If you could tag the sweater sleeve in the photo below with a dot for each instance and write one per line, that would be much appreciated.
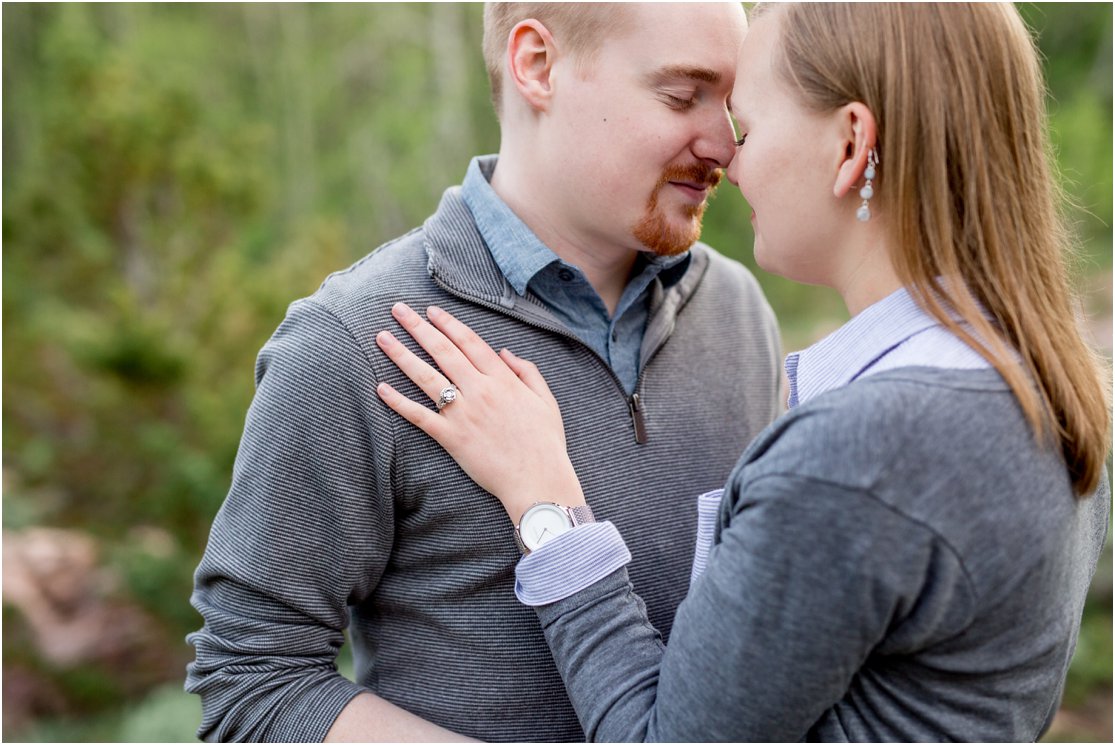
(805, 582)
(305, 530)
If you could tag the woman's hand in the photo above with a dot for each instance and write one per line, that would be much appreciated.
(504, 428)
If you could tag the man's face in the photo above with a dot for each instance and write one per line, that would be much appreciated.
(639, 139)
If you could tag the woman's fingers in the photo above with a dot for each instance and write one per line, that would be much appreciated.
(510, 412)
(448, 357)
(459, 353)
(428, 421)
(528, 373)
(423, 375)
(468, 341)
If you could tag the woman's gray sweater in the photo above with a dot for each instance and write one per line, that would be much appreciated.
(898, 559)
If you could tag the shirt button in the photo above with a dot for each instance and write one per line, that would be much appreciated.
(615, 335)
(566, 275)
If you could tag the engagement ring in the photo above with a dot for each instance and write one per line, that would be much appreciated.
(448, 396)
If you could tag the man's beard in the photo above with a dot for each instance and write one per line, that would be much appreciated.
(655, 230)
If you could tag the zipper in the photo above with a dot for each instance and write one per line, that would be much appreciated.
(634, 402)
(637, 418)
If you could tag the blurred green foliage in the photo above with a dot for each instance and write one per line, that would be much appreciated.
(176, 174)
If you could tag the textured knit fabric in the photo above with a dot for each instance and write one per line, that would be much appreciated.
(563, 288)
(341, 514)
(893, 332)
(897, 559)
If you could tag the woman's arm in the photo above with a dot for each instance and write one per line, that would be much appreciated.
(807, 580)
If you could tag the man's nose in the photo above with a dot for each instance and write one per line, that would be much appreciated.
(716, 142)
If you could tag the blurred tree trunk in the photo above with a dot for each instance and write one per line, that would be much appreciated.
(297, 72)
(453, 56)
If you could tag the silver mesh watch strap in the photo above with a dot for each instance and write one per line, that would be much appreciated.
(581, 515)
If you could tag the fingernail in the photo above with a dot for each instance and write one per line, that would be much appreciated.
(433, 311)
(383, 389)
(402, 310)
(385, 338)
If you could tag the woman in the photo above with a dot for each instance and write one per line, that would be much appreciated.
(905, 554)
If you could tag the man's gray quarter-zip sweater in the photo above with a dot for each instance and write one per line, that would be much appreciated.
(342, 515)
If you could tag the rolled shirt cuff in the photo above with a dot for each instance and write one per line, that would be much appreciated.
(569, 563)
(708, 510)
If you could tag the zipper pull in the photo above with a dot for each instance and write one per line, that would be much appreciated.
(637, 419)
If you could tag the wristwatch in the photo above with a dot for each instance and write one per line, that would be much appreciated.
(545, 520)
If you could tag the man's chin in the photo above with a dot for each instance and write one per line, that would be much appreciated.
(662, 238)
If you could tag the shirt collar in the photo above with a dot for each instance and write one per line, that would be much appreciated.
(517, 251)
(669, 269)
(843, 355)
(515, 248)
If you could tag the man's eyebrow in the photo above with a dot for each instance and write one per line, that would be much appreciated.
(672, 73)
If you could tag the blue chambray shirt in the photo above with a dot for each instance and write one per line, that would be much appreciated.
(528, 264)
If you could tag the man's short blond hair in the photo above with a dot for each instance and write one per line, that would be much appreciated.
(578, 28)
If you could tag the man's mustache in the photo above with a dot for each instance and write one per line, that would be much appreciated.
(693, 173)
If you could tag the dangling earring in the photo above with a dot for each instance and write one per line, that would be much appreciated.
(863, 214)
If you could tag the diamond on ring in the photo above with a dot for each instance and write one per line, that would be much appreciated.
(448, 395)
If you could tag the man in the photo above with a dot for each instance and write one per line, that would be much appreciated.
(577, 251)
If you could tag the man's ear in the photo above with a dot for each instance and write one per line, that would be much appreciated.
(856, 127)
(531, 54)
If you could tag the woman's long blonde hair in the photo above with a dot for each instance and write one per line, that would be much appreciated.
(969, 188)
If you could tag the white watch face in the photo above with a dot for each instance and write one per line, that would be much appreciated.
(541, 523)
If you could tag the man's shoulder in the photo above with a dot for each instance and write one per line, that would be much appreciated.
(403, 268)
(354, 303)
(385, 272)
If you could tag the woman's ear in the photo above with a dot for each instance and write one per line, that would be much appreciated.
(857, 127)
(531, 54)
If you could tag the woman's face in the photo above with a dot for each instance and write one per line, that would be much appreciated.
(786, 166)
